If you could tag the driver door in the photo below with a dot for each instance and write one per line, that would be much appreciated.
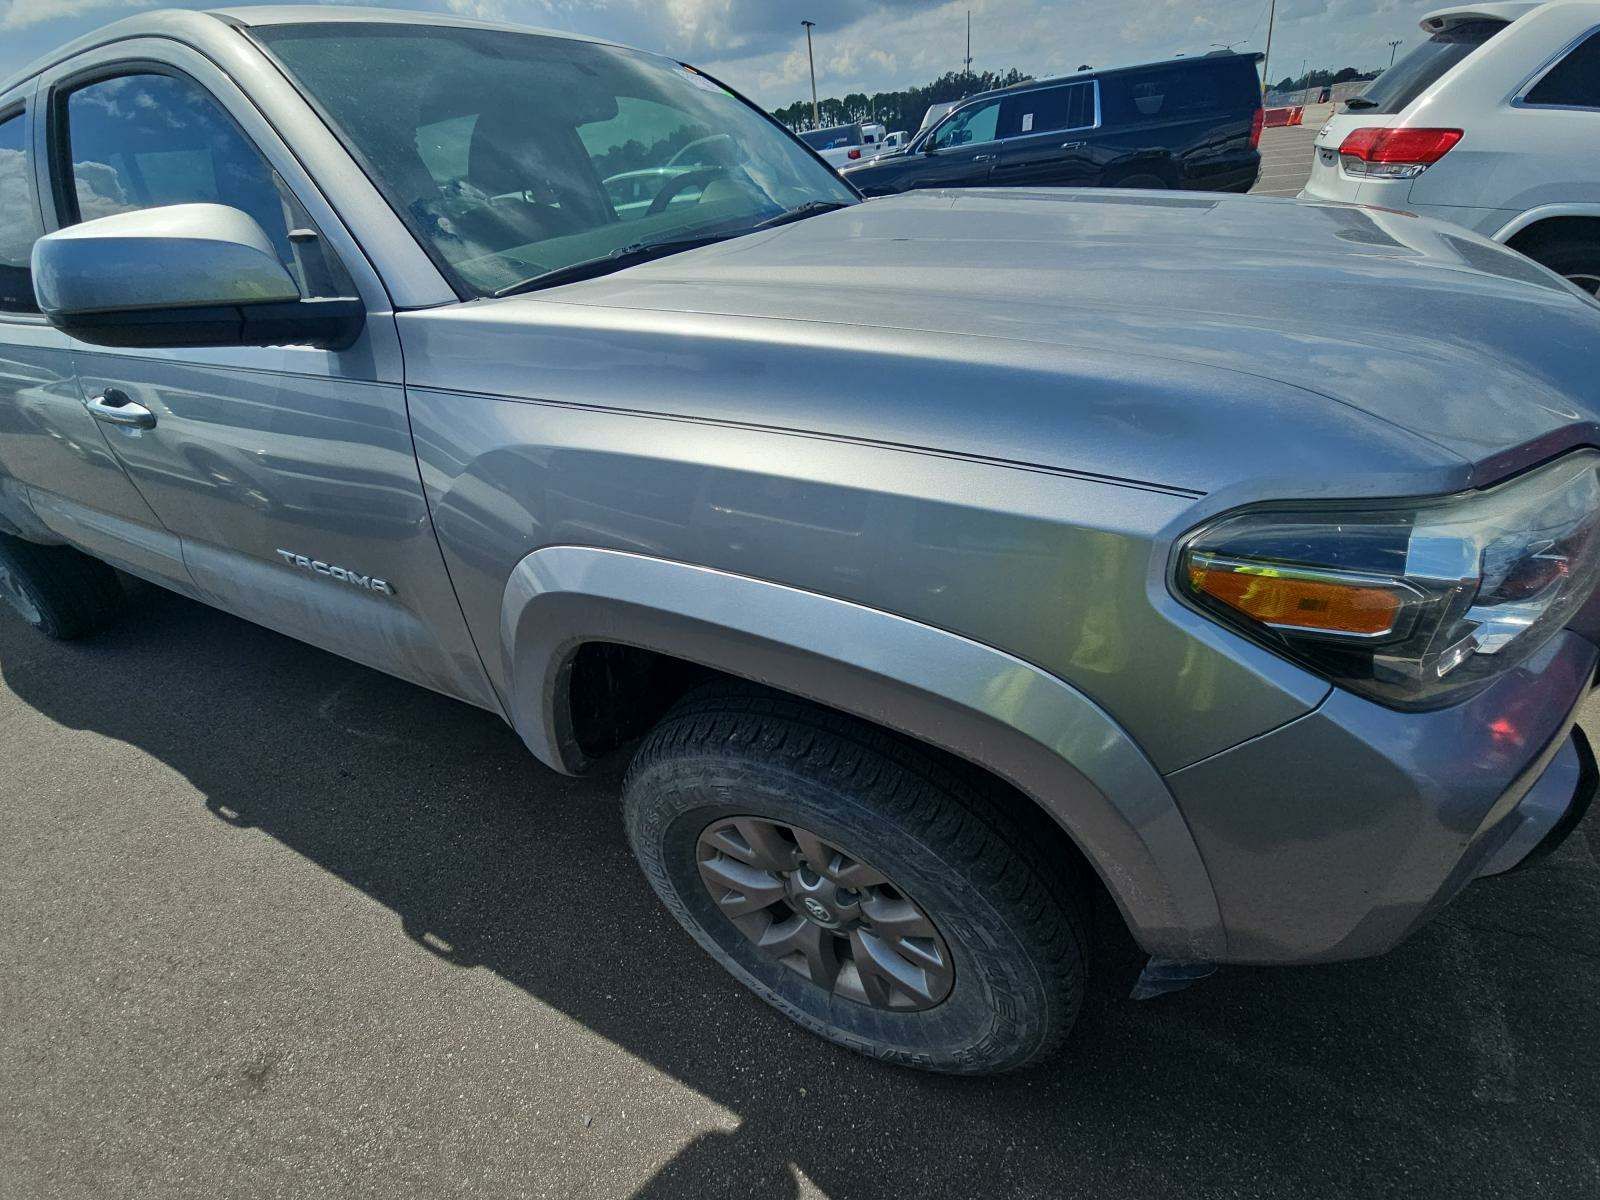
(963, 148)
(287, 473)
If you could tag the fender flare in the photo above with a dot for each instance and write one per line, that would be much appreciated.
(1038, 733)
(1544, 212)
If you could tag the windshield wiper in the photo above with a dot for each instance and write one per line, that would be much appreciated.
(639, 252)
(800, 212)
(624, 256)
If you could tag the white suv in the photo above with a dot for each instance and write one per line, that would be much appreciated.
(1493, 123)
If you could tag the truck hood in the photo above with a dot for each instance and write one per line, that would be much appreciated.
(1177, 339)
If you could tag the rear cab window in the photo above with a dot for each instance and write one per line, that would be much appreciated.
(20, 224)
(1574, 82)
(1423, 67)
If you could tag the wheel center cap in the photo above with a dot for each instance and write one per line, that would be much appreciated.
(822, 900)
(819, 911)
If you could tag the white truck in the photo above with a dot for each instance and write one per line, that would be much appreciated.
(841, 145)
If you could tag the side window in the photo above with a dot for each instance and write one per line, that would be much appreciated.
(1047, 110)
(1574, 82)
(147, 140)
(970, 125)
(19, 219)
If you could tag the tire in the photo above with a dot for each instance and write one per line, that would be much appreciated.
(1007, 922)
(60, 592)
(1574, 254)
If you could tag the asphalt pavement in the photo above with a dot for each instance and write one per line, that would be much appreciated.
(279, 926)
(1287, 153)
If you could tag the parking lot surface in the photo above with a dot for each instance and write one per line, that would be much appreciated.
(1287, 152)
(276, 925)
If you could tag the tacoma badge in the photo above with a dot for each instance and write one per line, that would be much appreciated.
(317, 566)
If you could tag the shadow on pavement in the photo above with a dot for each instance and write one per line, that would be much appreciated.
(1464, 1063)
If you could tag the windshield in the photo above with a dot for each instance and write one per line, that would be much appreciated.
(1424, 66)
(510, 155)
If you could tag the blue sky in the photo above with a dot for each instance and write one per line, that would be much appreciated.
(873, 45)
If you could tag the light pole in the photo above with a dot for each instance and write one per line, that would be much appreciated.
(816, 116)
(966, 63)
(1266, 61)
(1393, 46)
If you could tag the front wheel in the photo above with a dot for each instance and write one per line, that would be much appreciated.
(60, 592)
(856, 884)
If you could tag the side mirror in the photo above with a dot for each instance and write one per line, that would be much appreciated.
(179, 276)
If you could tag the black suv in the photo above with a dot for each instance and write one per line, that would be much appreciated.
(1184, 123)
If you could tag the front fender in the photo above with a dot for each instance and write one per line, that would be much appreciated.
(1005, 715)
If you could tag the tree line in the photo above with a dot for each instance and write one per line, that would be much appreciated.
(1321, 78)
(895, 110)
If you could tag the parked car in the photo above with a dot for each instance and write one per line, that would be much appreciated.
(949, 564)
(842, 144)
(1491, 123)
(1190, 123)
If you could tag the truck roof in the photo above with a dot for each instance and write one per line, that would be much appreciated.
(196, 28)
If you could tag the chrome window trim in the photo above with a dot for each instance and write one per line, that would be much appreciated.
(17, 103)
(1519, 94)
(1093, 83)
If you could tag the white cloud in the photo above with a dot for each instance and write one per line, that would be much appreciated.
(20, 14)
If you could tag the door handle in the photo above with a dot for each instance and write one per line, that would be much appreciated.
(983, 158)
(114, 407)
(1073, 145)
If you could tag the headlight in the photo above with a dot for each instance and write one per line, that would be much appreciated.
(1412, 603)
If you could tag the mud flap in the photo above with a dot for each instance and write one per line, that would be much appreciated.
(1163, 975)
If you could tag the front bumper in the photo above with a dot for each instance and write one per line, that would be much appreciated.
(1339, 833)
(1552, 809)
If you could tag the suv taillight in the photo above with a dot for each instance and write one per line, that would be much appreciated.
(853, 154)
(1380, 153)
(1258, 121)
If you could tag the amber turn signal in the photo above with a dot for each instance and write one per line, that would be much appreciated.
(1295, 598)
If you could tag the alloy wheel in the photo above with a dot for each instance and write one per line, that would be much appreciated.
(13, 593)
(825, 914)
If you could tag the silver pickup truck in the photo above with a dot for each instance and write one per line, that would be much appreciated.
(952, 562)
